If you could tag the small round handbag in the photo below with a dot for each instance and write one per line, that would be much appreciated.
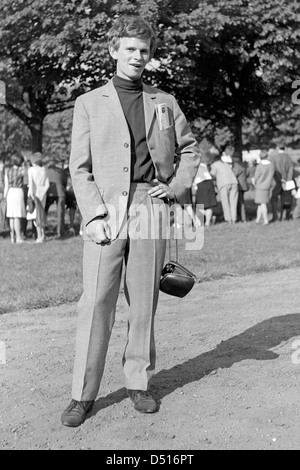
(30, 205)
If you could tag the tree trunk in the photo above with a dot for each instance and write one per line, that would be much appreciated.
(238, 136)
(36, 130)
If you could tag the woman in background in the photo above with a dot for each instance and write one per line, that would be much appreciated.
(38, 184)
(263, 183)
(205, 192)
(13, 192)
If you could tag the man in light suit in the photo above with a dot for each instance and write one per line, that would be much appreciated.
(126, 137)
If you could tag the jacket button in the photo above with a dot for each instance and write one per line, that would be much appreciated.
(124, 193)
(126, 145)
(125, 168)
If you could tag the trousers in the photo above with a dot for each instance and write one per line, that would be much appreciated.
(61, 202)
(229, 200)
(143, 259)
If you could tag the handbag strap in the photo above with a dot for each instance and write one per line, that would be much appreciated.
(174, 238)
(172, 231)
(176, 246)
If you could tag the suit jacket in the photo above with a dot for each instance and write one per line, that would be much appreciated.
(283, 164)
(223, 174)
(100, 151)
(240, 171)
(57, 182)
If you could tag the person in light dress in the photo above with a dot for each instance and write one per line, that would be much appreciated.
(14, 195)
(38, 184)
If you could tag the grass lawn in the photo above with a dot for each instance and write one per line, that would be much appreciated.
(42, 275)
(39, 275)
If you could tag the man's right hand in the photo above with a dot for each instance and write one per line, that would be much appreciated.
(98, 231)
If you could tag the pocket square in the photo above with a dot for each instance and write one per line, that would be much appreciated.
(164, 116)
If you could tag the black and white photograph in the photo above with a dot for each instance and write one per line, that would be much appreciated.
(149, 227)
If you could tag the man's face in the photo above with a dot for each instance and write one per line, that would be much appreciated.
(132, 57)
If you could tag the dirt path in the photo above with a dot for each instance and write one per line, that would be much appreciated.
(227, 373)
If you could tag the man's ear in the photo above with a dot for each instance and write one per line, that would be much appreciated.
(113, 52)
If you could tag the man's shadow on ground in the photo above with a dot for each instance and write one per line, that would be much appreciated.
(254, 343)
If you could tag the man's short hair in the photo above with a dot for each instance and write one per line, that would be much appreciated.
(272, 146)
(263, 154)
(131, 27)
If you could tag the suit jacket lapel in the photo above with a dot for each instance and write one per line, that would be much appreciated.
(149, 106)
(113, 102)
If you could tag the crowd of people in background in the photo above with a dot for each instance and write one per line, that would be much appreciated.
(273, 179)
(33, 185)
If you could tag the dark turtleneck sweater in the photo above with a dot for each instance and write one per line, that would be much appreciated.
(131, 97)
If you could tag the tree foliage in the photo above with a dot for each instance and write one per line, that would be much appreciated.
(229, 62)
(43, 55)
(230, 58)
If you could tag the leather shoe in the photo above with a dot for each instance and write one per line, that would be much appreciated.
(74, 415)
(143, 401)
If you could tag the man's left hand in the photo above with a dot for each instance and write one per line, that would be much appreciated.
(161, 190)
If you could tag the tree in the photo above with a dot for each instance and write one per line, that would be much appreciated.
(227, 59)
(281, 125)
(14, 135)
(42, 55)
(51, 51)
(57, 136)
